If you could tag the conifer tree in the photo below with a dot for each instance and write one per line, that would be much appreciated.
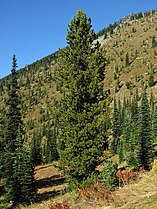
(127, 63)
(134, 112)
(23, 174)
(13, 142)
(13, 123)
(51, 151)
(154, 42)
(151, 78)
(131, 158)
(145, 148)
(81, 69)
(126, 135)
(116, 130)
(36, 153)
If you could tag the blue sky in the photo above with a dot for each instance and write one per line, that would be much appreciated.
(32, 29)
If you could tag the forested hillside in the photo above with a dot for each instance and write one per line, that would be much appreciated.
(92, 104)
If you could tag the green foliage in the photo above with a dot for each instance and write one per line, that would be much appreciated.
(81, 69)
(117, 86)
(13, 124)
(134, 144)
(116, 72)
(84, 183)
(133, 30)
(108, 177)
(115, 130)
(19, 186)
(36, 154)
(51, 153)
(131, 155)
(23, 174)
(125, 137)
(145, 148)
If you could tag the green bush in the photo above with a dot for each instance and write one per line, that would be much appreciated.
(108, 177)
(85, 183)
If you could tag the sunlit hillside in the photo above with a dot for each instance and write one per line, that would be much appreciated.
(39, 91)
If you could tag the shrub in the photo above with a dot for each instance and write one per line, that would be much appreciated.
(95, 193)
(108, 177)
(85, 183)
(124, 177)
(63, 205)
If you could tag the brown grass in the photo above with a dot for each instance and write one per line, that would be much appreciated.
(141, 195)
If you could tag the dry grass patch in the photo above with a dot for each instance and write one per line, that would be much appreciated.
(140, 195)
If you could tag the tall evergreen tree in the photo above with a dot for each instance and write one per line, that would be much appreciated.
(145, 148)
(81, 69)
(13, 142)
(13, 124)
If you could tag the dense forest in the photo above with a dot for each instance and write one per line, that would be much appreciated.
(86, 105)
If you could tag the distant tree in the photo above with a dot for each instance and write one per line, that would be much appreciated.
(151, 78)
(139, 15)
(154, 42)
(81, 69)
(116, 72)
(127, 62)
(117, 85)
(133, 30)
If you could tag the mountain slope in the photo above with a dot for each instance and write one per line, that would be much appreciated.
(135, 39)
(131, 59)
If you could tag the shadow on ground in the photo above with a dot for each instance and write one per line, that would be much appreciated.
(47, 195)
(54, 180)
